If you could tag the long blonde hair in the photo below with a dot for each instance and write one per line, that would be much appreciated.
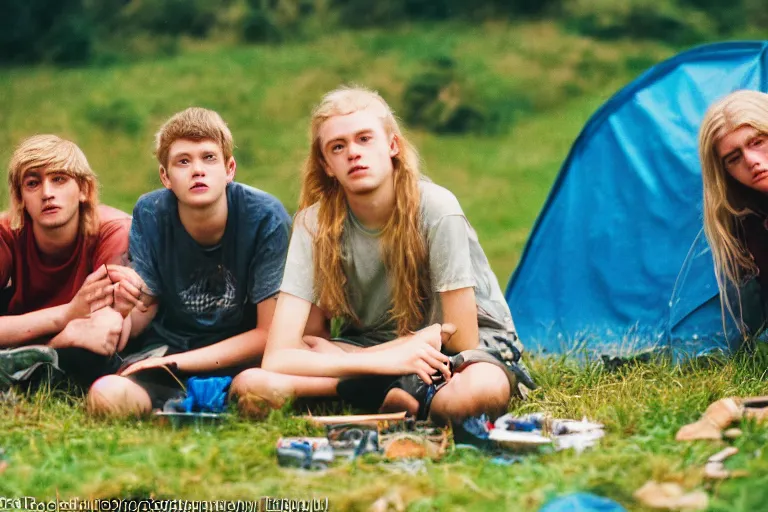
(726, 201)
(404, 249)
(50, 152)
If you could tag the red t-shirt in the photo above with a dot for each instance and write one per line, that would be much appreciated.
(37, 285)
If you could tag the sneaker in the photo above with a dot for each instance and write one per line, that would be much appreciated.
(17, 364)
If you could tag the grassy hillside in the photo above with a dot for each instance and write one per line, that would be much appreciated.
(547, 81)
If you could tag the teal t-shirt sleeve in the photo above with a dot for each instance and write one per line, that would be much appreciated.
(268, 263)
(450, 263)
(141, 247)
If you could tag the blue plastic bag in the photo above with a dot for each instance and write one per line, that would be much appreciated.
(207, 394)
(582, 502)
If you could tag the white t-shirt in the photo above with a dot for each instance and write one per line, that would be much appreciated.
(456, 261)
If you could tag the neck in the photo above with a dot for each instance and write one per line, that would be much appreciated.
(206, 225)
(56, 244)
(374, 208)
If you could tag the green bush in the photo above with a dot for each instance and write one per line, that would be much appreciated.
(261, 26)
(195, 18)
(357, 13)
(58, 31)
(116, 115)
(638, 19)
(734, 16)
(528, 8)
(273, 21)
(360, 12)
(438, 100)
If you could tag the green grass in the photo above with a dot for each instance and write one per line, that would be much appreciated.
(550, 82)
(54, 448)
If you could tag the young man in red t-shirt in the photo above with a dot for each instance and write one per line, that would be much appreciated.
(55, 241)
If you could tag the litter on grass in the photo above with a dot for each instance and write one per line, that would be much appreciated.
(347, 437)
(204, 403)
(397, 438)
(582, 502)
(721, 414)
(715, 467)
(525, 433)
(671, 496)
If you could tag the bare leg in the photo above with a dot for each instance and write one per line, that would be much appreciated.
(479, 388)
(118, 397)
(258, 391)
(398, 399)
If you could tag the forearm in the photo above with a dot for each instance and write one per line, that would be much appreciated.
(241, 350)
(460, 309)
(15, 330)
(141, 320)
(389, 344)
(296, 361)
(467, 340)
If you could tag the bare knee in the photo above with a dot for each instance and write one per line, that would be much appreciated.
(479, 388)
(117, 396)
(399, 400)
(258, 391)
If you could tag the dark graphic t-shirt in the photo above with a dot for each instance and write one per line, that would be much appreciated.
(207, 294)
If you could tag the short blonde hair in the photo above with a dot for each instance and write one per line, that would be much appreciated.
(52, 153)
(196, 124)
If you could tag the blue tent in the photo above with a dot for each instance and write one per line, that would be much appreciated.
(617, 261)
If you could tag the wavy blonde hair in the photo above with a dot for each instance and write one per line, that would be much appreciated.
(52, 153)
(726, 201)
(404, 249)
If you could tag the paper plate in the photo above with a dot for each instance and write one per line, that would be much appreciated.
(518, 440)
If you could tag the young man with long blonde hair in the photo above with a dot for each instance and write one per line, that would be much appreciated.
(207, 256)
(393, 258)
(55, 242)
(733, 147)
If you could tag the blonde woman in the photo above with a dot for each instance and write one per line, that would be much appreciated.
(394, 258)
(733, 147)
